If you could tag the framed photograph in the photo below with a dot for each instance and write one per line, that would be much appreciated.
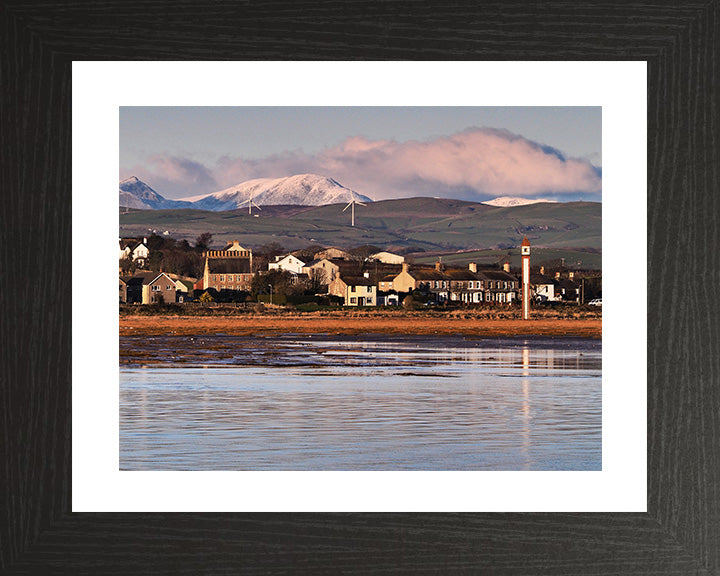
(64, 517)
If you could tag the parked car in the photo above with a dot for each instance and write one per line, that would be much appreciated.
(595, 302)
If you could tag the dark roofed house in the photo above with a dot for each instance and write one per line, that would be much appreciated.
(354, 290)
(498, 286)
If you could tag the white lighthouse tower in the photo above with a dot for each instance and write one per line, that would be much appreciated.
(525, 252)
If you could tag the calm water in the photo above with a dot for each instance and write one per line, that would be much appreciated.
(314, 403)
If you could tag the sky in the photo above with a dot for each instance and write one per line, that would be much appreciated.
(467, 153)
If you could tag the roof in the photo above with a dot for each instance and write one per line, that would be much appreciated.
(228, 265)
(317, 261)
(235, 245)
(461, 274)
(356, 280)
(497, 275)
(388, 278)
(541, 279)
(525, 242)
(427, 274)
(279, 259)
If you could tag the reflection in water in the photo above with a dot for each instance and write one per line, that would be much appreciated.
(344, 404)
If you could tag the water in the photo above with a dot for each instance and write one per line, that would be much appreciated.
(314, 403)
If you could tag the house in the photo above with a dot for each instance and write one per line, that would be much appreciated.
(567, 289)
(386, 258)
(423, 279)
(386, 283)
(465, 285)
(288, 263)
(123, 288)
(161, 289)
(326, 268)
(228, 269)
(354, 290)
(542, 288)
(148, 287)
(132, 248)
(185, 287)
(498, 286)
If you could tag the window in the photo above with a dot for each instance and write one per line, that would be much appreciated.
(155, 287)
(487, 297)
(505, 285)
(169, 287)
(222, 278)
(353, 300)
(352, 288)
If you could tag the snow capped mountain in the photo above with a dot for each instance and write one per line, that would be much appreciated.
(505, 201)
(301, 190)
(134, 193)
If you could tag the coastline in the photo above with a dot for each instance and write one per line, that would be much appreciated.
(266, 325)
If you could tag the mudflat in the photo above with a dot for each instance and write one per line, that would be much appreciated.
(353, 325)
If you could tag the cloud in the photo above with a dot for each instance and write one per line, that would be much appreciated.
(174, 177)
(475, 164)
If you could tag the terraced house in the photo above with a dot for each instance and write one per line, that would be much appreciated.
(455, 284)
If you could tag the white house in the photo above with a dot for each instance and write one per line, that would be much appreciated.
(131, 248)
(288, 263)
(354, 290)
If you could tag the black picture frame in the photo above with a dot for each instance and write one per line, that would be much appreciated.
(680, 533)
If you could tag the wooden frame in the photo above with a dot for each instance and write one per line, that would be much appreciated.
(680, 533)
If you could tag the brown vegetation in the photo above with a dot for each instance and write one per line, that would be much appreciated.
(459, 322)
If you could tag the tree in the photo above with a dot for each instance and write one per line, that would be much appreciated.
(364, 251)
(318, 280)
(270, 250)
(128, 265)
(202, 242)
(308, 253)
(205, 297)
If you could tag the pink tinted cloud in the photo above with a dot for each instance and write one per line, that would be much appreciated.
(479, 163)
(476, 164)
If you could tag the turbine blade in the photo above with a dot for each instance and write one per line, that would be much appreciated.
(346, 207)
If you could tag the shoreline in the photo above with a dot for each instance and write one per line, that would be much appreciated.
(269, 325)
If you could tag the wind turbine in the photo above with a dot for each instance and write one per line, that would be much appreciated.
(250, 204)
(351, 205)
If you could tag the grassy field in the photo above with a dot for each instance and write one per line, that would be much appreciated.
(431, 224)
(573, 259)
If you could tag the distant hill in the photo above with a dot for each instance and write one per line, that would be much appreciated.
(134, 193)
(431, 224)
(301, 189)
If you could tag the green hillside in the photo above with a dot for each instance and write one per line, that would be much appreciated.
(430, 224)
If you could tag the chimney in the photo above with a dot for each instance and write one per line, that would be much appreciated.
(557, 275)
(542, 270)
(366, 274)
(506, 267)
(144, 240)
(439, 266)
(405, 267)
(473, 267)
